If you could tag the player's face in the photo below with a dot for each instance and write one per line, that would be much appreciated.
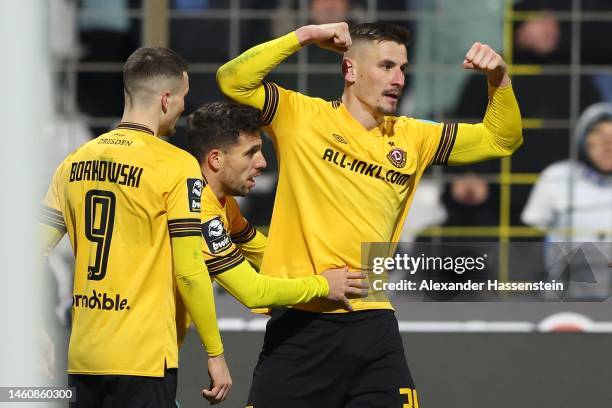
(380, 76)
(176, 106)
(599, 146)
(242, 162)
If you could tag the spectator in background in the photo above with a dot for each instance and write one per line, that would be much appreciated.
(572, 201)
(540, 40)
(578, 195)
(469, 200)
(320, 12)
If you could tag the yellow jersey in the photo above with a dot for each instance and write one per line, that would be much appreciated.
(122, 197)
(341, 185)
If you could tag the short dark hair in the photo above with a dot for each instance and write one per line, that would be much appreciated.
(217, 125)
(380, 31)
(149, 63)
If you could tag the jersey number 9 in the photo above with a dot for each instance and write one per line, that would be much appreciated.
(99, 221)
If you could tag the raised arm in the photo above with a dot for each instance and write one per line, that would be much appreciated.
(500, 132)
(241, 78)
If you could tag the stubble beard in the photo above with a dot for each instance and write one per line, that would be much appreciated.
(386, 111)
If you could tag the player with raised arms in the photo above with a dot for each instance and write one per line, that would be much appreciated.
(348, 170)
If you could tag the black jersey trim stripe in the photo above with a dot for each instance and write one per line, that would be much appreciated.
(222, 262)
(60, 227)
(247, 234)
(52, 211)
(451, 143)
(52, 214)
(183, 220)
(53, 218)
(46, 218)
(441, 145)
(270, 103)
(187, 223)
(447, 142)
(135, 126)
(223, 259)
(186, 233)
(192, 228)
(184, 227)
(191, 225)
(231, 261)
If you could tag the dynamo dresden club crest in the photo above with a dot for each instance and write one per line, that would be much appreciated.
(397, 157)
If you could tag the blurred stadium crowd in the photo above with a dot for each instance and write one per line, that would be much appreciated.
(559, 57)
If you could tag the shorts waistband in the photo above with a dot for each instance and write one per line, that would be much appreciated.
(342, 318)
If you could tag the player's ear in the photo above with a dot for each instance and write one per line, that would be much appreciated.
(214, 159)
(165, 101)
(348, 70)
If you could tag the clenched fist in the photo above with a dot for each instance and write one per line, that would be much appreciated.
(333, 36)
(483, 58)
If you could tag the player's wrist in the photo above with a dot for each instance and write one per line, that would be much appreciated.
(324, 285)
(305, 35)
(499, 77)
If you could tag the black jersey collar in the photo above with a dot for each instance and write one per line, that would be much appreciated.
(135, 126)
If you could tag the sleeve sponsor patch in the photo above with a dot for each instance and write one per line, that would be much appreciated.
(194, 194)
(215, 236)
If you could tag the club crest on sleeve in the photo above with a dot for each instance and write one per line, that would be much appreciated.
(215, 236)
(397, 157)
(194, 194)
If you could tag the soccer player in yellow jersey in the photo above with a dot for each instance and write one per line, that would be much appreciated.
(130, 203)
(348, 170)
(225, 138)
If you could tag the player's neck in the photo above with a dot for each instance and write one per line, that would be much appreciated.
(362, 113)
(142, 117)
(215, 185)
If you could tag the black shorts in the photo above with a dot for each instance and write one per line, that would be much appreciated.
(348, 360)
(124, 391)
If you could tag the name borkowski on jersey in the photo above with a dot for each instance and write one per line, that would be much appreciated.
(112, 172)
